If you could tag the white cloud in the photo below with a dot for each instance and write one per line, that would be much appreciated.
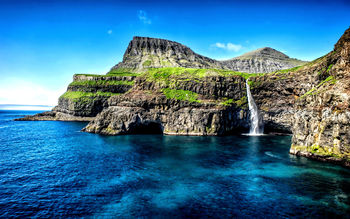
(142, 15)
(233, 47)
(109, 32)
(228, 46)
(23, 92)
(220, 45)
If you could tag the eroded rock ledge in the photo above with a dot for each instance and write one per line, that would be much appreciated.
(146, 112)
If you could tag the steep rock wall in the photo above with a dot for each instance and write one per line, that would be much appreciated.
(146, 105)
(145, 52)
(322, 128)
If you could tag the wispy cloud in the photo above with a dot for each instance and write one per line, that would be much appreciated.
(142, 15)
(228, 46)
(109, 32)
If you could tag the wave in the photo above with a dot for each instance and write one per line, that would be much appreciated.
(268, 153)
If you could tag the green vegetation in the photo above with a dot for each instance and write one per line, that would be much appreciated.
(81, 96)
(318, 60)
(314, 90)
(242, 103)
(253, 84)
(122, 72)
(170, 75)
(329, 67)
(165, 63)
(227, 102)
(287, 70)
(183, 95)
(147, 63)
(318, 150)
(101, 83)
(112, 73)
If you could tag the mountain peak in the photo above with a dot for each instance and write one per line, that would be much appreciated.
(146, 52)
(262, 60)
(265, 52)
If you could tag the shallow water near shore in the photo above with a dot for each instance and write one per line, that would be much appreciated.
(51, 169)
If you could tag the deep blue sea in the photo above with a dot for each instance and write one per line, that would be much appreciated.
(51, 169)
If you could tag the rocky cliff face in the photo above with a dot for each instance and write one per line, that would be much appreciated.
(212, 106)
(321, 129)
(86, 96)
(261, 60)
(144, 52)
(310, 101)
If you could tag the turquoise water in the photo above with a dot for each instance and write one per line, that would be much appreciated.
(51, 169)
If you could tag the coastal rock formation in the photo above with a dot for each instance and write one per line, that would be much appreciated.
(85, 97)
(88, 94)
(164, 87)
(321, 129)
(213, 106)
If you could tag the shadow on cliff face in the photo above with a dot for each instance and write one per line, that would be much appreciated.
(148, 127)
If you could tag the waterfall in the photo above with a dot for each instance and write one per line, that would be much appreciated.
(256, 125)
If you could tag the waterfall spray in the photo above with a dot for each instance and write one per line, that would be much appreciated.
(256, 125)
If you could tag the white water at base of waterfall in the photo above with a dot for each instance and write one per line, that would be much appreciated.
(256, 126)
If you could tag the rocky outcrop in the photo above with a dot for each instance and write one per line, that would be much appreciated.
(321, 129)
(311, 101)
(144, 52)
(55, 116)
(86, 96)
(147, 108)
(262, 60)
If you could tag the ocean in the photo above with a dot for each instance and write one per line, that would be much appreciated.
(50, 169)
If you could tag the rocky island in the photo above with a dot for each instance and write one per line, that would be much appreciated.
(162, 86)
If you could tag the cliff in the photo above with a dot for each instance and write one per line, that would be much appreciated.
(145, 52)
(196, 95)
(177, 101)
(87, 96)
(321, 129)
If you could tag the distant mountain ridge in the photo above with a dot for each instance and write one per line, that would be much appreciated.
(145, 52)
(265, 52)
(262, 60)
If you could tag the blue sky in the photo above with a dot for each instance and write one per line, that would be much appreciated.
(43, 43)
